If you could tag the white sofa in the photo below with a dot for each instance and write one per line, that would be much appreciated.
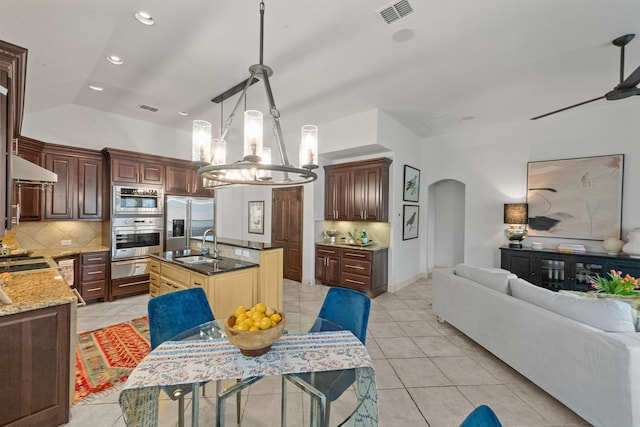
(590, 369)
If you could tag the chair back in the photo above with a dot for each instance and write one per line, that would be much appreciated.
(482, 416)
(176, 312)
(349, 309)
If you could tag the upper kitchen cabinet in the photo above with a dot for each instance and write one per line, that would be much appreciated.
(28, 197)
(78, 192)
(133, 168)
(357, 191)
(183, 179)
(13, 69)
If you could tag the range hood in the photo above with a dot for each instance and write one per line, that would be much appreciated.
(25, 172)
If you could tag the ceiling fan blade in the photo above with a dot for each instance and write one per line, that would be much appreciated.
(631, 81)
(567, 108)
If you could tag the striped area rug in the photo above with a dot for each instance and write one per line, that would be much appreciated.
(105, 357)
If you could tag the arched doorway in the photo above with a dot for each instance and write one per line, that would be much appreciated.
(446, 211)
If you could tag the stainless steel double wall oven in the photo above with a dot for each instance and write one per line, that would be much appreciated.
(135, 230)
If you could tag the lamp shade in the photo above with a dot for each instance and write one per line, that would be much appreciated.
(252, 135)
(201, 142)
(516, 213)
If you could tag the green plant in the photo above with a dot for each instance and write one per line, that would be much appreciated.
(615, 284)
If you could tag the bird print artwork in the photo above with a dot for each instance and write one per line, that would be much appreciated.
(411, 186)
(410, 222)
(409, 225)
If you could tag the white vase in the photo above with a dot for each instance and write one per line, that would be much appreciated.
(612, 246)
(632, 247)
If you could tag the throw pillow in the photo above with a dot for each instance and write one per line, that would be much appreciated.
(609, 316)
(494, 278)
(632, 300)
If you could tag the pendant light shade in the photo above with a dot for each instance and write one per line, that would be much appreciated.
(252, 135)
(309, 146)
(201, 142)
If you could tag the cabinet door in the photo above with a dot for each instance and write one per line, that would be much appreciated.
(178, 180)
(197, 187)
(521, 264)
(330, 187)
(151, 174)
(89, 188)
(29, 198)
(366, 195)
(556, 272)
(124, 170)
(59, 198)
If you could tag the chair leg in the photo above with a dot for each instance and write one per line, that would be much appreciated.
(283, 402)
(181, 411)
(238, 406)
(327, 413)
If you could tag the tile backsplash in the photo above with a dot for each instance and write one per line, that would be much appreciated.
(49, 235)
(377, 232)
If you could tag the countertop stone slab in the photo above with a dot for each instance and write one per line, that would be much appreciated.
(32, 291)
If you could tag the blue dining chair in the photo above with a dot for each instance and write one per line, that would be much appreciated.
(350, 310)
(171, 314)
(482, 416)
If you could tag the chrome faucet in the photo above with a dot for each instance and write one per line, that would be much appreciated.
(215, 240)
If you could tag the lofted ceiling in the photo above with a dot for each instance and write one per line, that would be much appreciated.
(447, 66)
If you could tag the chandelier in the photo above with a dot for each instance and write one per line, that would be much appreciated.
(255, 168)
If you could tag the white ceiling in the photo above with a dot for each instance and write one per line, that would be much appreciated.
(469, 63)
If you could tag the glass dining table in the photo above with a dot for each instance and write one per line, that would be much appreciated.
(203, 354)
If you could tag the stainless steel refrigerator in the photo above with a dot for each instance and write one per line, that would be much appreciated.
(186, 217)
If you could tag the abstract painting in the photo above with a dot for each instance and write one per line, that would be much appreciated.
(576, 198)
(411, 189)
(410, 217)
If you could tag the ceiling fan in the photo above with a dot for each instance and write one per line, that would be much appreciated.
(626, 88)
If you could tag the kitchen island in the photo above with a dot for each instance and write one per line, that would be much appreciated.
(36, 330)
(254, 275)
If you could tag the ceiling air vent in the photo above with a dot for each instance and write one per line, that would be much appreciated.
(149, 108)
(395, 11)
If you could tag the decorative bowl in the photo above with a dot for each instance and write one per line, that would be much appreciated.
(253, 343)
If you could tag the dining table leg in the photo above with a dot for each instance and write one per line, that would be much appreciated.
(195, 405)
(222, 395)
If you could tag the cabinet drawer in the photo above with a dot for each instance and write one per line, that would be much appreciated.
(92, 290)
(356, 255)
(353, 266)
(91, 273)
(327, 251)
(154, 266)
(93, 258)
(175, 274)
(355, 281)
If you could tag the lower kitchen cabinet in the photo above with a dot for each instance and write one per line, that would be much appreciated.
(270, 278)
(359, 269)
(94, 275)
(129, 277)
(154, 277)
(36, 363)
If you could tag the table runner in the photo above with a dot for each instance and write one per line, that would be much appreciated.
(184, 362)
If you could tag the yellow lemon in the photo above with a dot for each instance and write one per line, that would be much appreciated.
(248, 323)
(254, 328)
(240, 310)
(265, 323)
(270, 312)
(240, 318)
(257, 315)
(242, 327)
(276, 318)
(260, 307)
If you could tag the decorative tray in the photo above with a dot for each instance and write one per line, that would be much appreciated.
(360, 245)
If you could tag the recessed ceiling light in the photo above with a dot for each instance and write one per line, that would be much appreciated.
(144, 18)
(96, 88)
(115, 60)
(403, 35)
(183, 113)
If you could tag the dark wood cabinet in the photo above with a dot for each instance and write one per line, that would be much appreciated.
(359, 269)
(564, 271)
(94, 275)
(136, 172)
(35, 360)
(29, 198)
(184, 180)
(78, 192)
(357, 191)
(328, 264)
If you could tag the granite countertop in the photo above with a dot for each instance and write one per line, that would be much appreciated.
(31, 291)
(370, 247)
(60, 252)
(247, 244)
(224, 265)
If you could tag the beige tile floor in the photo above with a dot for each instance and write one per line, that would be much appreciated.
(427, 373)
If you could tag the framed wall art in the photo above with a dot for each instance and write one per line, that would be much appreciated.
(411, 185)
(410, 217)
(576, 198)
(256, 217)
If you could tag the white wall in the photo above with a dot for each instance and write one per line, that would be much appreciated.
(492, 163)
(448, 217)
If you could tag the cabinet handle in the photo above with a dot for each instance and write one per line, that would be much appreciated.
(357, 267)
(197, 283)
(93, 259)
(94, 272)
(326, 251)
(354, 255)
(354, 281)
(124, 285)
(94, 289)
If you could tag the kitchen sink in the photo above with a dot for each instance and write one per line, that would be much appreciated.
(14, 265)
(197, 259)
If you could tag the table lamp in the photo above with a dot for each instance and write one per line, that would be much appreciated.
(517, 216)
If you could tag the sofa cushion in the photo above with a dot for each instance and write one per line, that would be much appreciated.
(494, 278)
(632, 300)
(609, 316)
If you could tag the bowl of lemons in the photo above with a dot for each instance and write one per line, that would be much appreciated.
(253, 330)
